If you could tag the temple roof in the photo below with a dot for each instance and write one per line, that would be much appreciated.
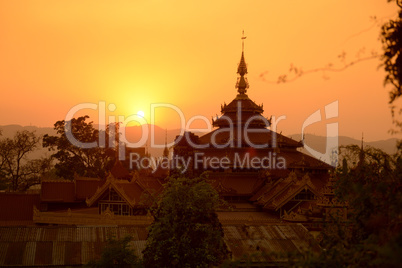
(151, 184)
(228, 184)
(130, 191)
(275, 195)
(242, 110)
(242, 129)
(255, 137)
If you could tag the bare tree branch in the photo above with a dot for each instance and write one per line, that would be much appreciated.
(295, 73)
(16, 169)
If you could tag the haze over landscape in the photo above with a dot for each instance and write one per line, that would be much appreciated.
(58, 54)
(134, 133)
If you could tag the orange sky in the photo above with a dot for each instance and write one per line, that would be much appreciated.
(57, 54)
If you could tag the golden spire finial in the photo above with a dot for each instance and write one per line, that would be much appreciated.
(242, 83)
(242, 45)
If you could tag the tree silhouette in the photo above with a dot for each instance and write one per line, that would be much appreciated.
(186, 231)
(391, 37)
(17, 171)
(90, 162)
(117, 253)
(371, 182)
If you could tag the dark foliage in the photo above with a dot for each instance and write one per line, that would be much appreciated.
(117, 253)
(391, 38)
(186, 231)
(17, 173)
(89, 162)
(371, 182)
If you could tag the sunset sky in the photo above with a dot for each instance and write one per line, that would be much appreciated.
(55, 55)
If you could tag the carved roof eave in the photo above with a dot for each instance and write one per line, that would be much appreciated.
(257, 109)
(145, 187)
(290, 179)
(99, 191)
(304, 183)
(289, 196)
(110, 183)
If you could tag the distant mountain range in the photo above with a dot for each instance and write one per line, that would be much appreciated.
(133, 135)
(318, 143)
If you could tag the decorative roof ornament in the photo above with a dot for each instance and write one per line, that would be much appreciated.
(242, 83)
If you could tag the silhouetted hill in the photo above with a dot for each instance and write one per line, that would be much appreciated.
(134, 135)
(157, 137)
(8, 131)
(319, 142)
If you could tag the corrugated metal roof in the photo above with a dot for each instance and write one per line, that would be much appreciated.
(32, 246)
(72, 245)
(266, 239)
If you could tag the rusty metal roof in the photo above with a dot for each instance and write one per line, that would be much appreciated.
(61, 245)
(267, 243)
(36, 246)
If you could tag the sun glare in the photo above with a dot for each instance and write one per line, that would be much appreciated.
(141, 113)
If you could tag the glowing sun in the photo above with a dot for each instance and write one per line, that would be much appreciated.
(141, 113)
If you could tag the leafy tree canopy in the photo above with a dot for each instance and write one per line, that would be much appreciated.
(117, 253)
(186, 231)
(391, 38)
(90, 162)
(371, 182)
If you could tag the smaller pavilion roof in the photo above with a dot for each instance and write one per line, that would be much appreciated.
(130, 191)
